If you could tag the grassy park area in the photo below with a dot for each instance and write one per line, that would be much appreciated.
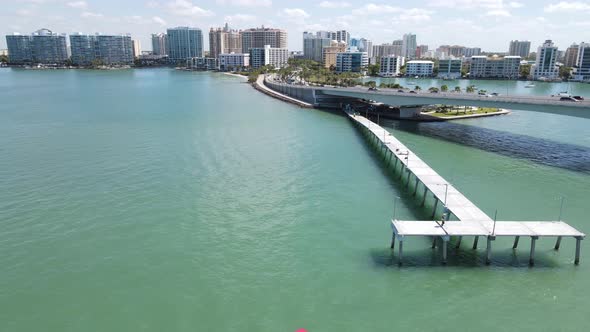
(447, 111)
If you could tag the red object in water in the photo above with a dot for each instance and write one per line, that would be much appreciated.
(301, 330)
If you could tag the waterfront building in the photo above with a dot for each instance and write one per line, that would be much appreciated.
(19, 48)
(422, 68)
(42, 46)
(521, 48)
(545, 63)
(277, 57)
(224, 40)
(450, 68)
(106, 49)
(260, 37)
(160, 44)
(582, 69)
(471, 51)
(330, 53)
(571, 55)
(202, 63)
(390, 65)
(136, 48)
(495, 67)
(234, 61)
(313, 46)
(354, 62)
(409, 46)
(184, 43)
(421, 51)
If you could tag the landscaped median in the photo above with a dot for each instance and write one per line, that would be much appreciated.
(461, 112)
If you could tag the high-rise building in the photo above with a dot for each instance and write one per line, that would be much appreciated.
(42, 46)
(421, 51)
(330, 53)
(224, 40)
(471, 51)
(390, 65)
(107, 49)
(456, 51)
(136, 48)
(420, 68)
(340, 36)
(184, 43)
(545, 64)
(260, 37)
(522, 48)
(409, 46)
(160, 44)
(313, 46)
(19, 48)
(582, 70)
(354, 62)
(571, 55)
(449, 68)
(382, 50)
(495, 67)
(275, 56)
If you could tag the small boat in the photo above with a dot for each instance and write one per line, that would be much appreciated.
(530, 85)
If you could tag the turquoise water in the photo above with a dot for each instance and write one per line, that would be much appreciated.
(160, 200)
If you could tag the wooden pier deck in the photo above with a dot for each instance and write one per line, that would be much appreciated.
(471, 221)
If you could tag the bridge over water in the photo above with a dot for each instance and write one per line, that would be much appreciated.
(330, 95)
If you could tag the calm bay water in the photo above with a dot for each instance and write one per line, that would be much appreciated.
(156, 200)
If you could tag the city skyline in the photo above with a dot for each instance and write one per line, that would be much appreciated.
(435, 22)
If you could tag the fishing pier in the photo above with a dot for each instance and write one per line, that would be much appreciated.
(468, 219)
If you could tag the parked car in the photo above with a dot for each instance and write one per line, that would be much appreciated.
(400, 90)
(373, 89)
(578, 98)
(568, 99)
(495, 94)
(412, 91)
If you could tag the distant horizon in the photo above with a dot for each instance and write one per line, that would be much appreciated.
(488, 24)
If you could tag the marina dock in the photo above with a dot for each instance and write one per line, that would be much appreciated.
(470, 220)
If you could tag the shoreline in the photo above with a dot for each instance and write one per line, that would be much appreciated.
(429, 117)
(235, 75)
(260, 86)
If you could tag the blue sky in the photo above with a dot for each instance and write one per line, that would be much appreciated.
(488, 24)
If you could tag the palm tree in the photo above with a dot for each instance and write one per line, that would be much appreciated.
(444, 88)
(470, 89)
(417, 88)
(457, 89)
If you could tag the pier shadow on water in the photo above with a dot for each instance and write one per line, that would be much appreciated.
(464, 257)
(538, 150)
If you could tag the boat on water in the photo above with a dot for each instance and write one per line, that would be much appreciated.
(530, 85)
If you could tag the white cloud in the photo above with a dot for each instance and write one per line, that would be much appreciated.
(78, 4)
(24, 12)
(372, 8)
(246, 3)
(334, 4)
(187, 8)
(515, 4)
(159, 20)
(152, 4)
(295, 13)
(498, 13)
(565, 6)
(240, 18)
(91, 15)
